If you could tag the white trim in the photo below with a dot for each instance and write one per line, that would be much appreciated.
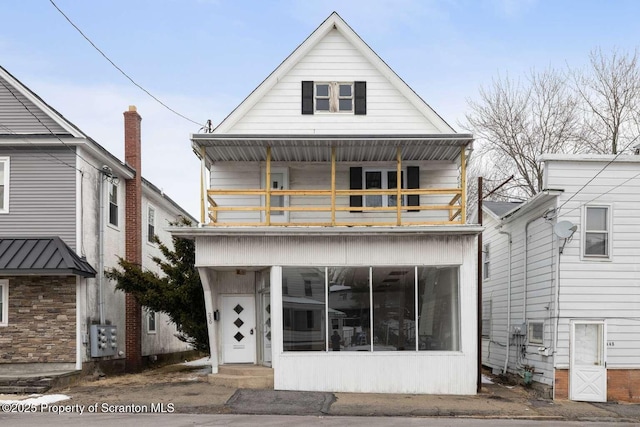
(150, 207)
(598, 258)
(4, 295)
(148, 313)
(486, 261)
(7, 179)
(79, 283)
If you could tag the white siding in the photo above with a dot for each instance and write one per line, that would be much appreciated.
(334, 58)
(607, 289)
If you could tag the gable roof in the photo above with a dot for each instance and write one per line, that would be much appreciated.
(334, 21)
(48, 256)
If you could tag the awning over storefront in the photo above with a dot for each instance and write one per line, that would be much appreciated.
(46, 256)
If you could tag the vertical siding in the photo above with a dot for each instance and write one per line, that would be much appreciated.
(610, 289)
(333, 59)
(42, 193)
(16, 119)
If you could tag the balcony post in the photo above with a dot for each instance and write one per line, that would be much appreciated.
(399, 186)
(333, 185)
(202, 185)
(463, 184)
(267, 189)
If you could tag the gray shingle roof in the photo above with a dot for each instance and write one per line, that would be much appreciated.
(500, 208)
(41, 255)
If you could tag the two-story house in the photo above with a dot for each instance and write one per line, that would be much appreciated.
(68, 210)
(334, 246)
(561, 284)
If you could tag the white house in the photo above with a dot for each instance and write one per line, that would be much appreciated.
(65, 218)
(334, 246)
(561, 288)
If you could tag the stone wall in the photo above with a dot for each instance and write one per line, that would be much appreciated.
(42, 320)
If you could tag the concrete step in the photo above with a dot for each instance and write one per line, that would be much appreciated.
(36, 382)
(246, 370)
(25, 389)
(243, 376)
(241, 381)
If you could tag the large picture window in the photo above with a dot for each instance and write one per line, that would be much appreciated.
(371, 309)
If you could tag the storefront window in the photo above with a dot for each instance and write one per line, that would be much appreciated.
(438, 308)
(394, 319)
(349, 309)
(303, 302)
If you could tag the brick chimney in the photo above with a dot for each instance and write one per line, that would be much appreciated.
(133, 235)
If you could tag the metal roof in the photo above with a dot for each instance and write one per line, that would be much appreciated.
(317, 148)
(500, 208)
(41, 256)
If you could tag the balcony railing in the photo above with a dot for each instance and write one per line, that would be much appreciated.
(452, 212)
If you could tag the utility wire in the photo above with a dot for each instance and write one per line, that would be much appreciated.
(596, 175)
(120, 69)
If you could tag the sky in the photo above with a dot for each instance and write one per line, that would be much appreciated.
(203, 57)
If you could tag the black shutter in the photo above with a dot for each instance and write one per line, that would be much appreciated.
(355, 183)
(413, 181)
(307, 97)
(360, 95)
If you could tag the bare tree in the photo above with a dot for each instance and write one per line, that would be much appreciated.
(610, 91)
(517, 122)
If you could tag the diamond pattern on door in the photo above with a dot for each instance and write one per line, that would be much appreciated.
(238, 337)
(238, 322)
(238, 309)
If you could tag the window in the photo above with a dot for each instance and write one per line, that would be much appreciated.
(487, 305)
(4, 302)
(396, 308)
(382, 180)
(334, 97)
(486, 261)
(151, 322)
(4, 184)
(597, 240)
(536, 332)
(151, 224)
(113, 204)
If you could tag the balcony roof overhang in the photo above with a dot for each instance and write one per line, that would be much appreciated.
(317, 148)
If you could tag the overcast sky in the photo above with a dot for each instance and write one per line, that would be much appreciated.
(203, 57)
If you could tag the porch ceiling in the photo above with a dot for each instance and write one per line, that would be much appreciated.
(317, 148)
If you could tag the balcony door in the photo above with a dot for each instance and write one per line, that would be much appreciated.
(279, 181)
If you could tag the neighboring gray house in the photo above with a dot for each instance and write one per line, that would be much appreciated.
(561, 280)
(64, 218)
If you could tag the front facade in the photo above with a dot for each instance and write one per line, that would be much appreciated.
(63, 221)
(561, 288)
(333, 244)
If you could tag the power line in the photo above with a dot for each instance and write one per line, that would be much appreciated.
(120, 69)
(596, 175)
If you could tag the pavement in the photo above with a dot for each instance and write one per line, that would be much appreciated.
(186, 390)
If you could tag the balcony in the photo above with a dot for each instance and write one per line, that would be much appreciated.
(328, 201)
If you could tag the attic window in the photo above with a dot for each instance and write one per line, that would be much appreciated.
(334, 97)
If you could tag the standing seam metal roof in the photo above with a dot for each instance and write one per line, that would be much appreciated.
(42, 256)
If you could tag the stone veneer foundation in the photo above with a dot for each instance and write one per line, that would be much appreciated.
(42, 320)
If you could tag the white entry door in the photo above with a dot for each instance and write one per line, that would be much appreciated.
(587, 371)
(238, 329)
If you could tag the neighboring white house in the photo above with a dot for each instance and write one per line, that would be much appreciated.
(561, 288)
(334, 245)
(64, 219)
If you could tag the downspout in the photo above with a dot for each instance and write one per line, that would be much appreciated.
(506, 359)
(524, 281)
(101, 219)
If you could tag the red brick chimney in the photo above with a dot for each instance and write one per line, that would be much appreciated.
(133, 235)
